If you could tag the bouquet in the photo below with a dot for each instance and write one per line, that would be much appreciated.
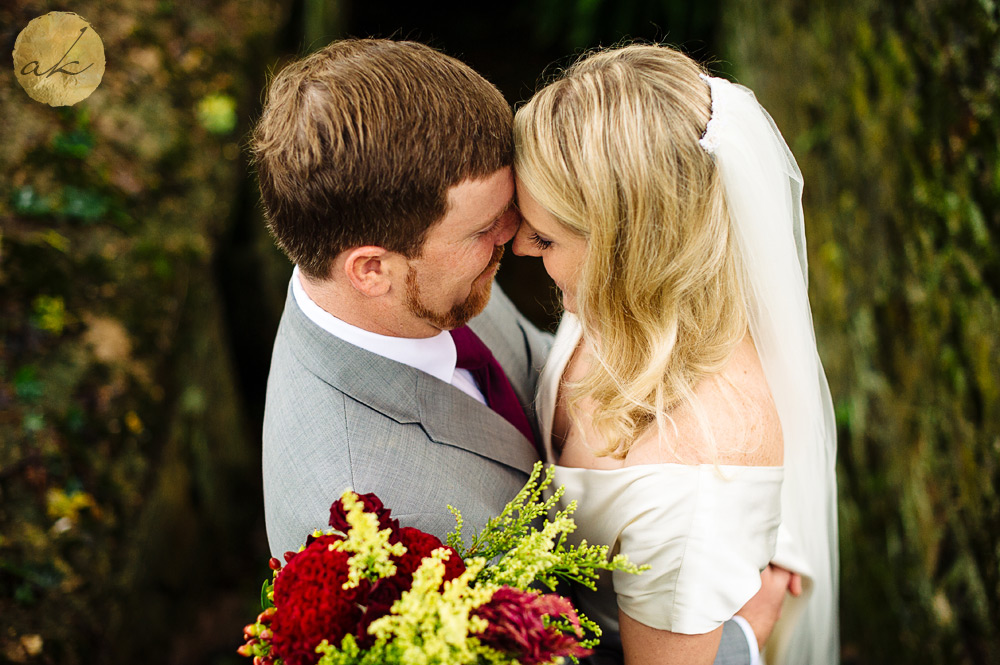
(369, 591)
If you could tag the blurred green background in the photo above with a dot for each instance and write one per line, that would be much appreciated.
(139, 294)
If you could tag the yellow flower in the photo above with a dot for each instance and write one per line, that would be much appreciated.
(433, 622)
(371, 549)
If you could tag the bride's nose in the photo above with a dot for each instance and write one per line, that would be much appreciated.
(522, 246)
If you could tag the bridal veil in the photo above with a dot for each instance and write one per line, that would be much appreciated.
(763, 188)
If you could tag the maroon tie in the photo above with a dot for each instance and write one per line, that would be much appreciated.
(474, 356)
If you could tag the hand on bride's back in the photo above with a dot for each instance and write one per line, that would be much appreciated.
(764, 609)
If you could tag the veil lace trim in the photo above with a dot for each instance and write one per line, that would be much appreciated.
(710, 140)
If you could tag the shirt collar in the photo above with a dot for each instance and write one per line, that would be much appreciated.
(434, 355)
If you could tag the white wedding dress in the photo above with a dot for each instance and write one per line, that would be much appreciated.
(706, 531)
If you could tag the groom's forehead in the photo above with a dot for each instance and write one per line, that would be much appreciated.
(475, 205)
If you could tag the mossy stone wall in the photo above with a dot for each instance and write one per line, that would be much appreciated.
(129, 467)
(892, 112)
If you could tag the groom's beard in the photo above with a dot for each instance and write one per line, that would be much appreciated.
(461, 313)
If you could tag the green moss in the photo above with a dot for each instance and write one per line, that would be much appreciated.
(123, 510)
(892, 113)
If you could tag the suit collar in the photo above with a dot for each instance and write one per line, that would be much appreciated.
(435, 355)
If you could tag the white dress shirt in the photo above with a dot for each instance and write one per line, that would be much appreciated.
(434, 355)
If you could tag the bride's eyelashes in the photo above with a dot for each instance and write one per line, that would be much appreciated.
(539, 242)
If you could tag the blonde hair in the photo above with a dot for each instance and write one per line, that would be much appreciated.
(611, 150)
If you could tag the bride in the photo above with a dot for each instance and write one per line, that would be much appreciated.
(684, 401)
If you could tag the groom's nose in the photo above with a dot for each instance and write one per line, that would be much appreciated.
(509, 223)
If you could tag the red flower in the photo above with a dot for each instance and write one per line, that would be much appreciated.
(384, 593)
(387, 591)
(311, 603)
(419, 545)
(372, 504)
(516, 626)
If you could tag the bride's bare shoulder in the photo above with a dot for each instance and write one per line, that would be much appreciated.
(737, 409)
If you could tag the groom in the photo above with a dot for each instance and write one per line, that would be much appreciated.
(384, 168)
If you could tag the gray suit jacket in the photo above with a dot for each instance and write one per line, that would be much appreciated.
(340, 417)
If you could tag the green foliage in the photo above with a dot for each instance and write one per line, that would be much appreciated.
(126, 496)
(50, 314)
(267, 594)
(84, 204)
(76, 143)
(502, 532)
(26, 201)
(26, 384)
(891, 110)
(217, 113)
(527, 554)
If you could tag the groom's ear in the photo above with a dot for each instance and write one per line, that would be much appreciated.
(368, 269)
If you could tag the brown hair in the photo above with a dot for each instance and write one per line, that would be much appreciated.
(360, 141)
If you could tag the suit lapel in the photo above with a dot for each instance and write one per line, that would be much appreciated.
(450, 416)
(406, 395)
